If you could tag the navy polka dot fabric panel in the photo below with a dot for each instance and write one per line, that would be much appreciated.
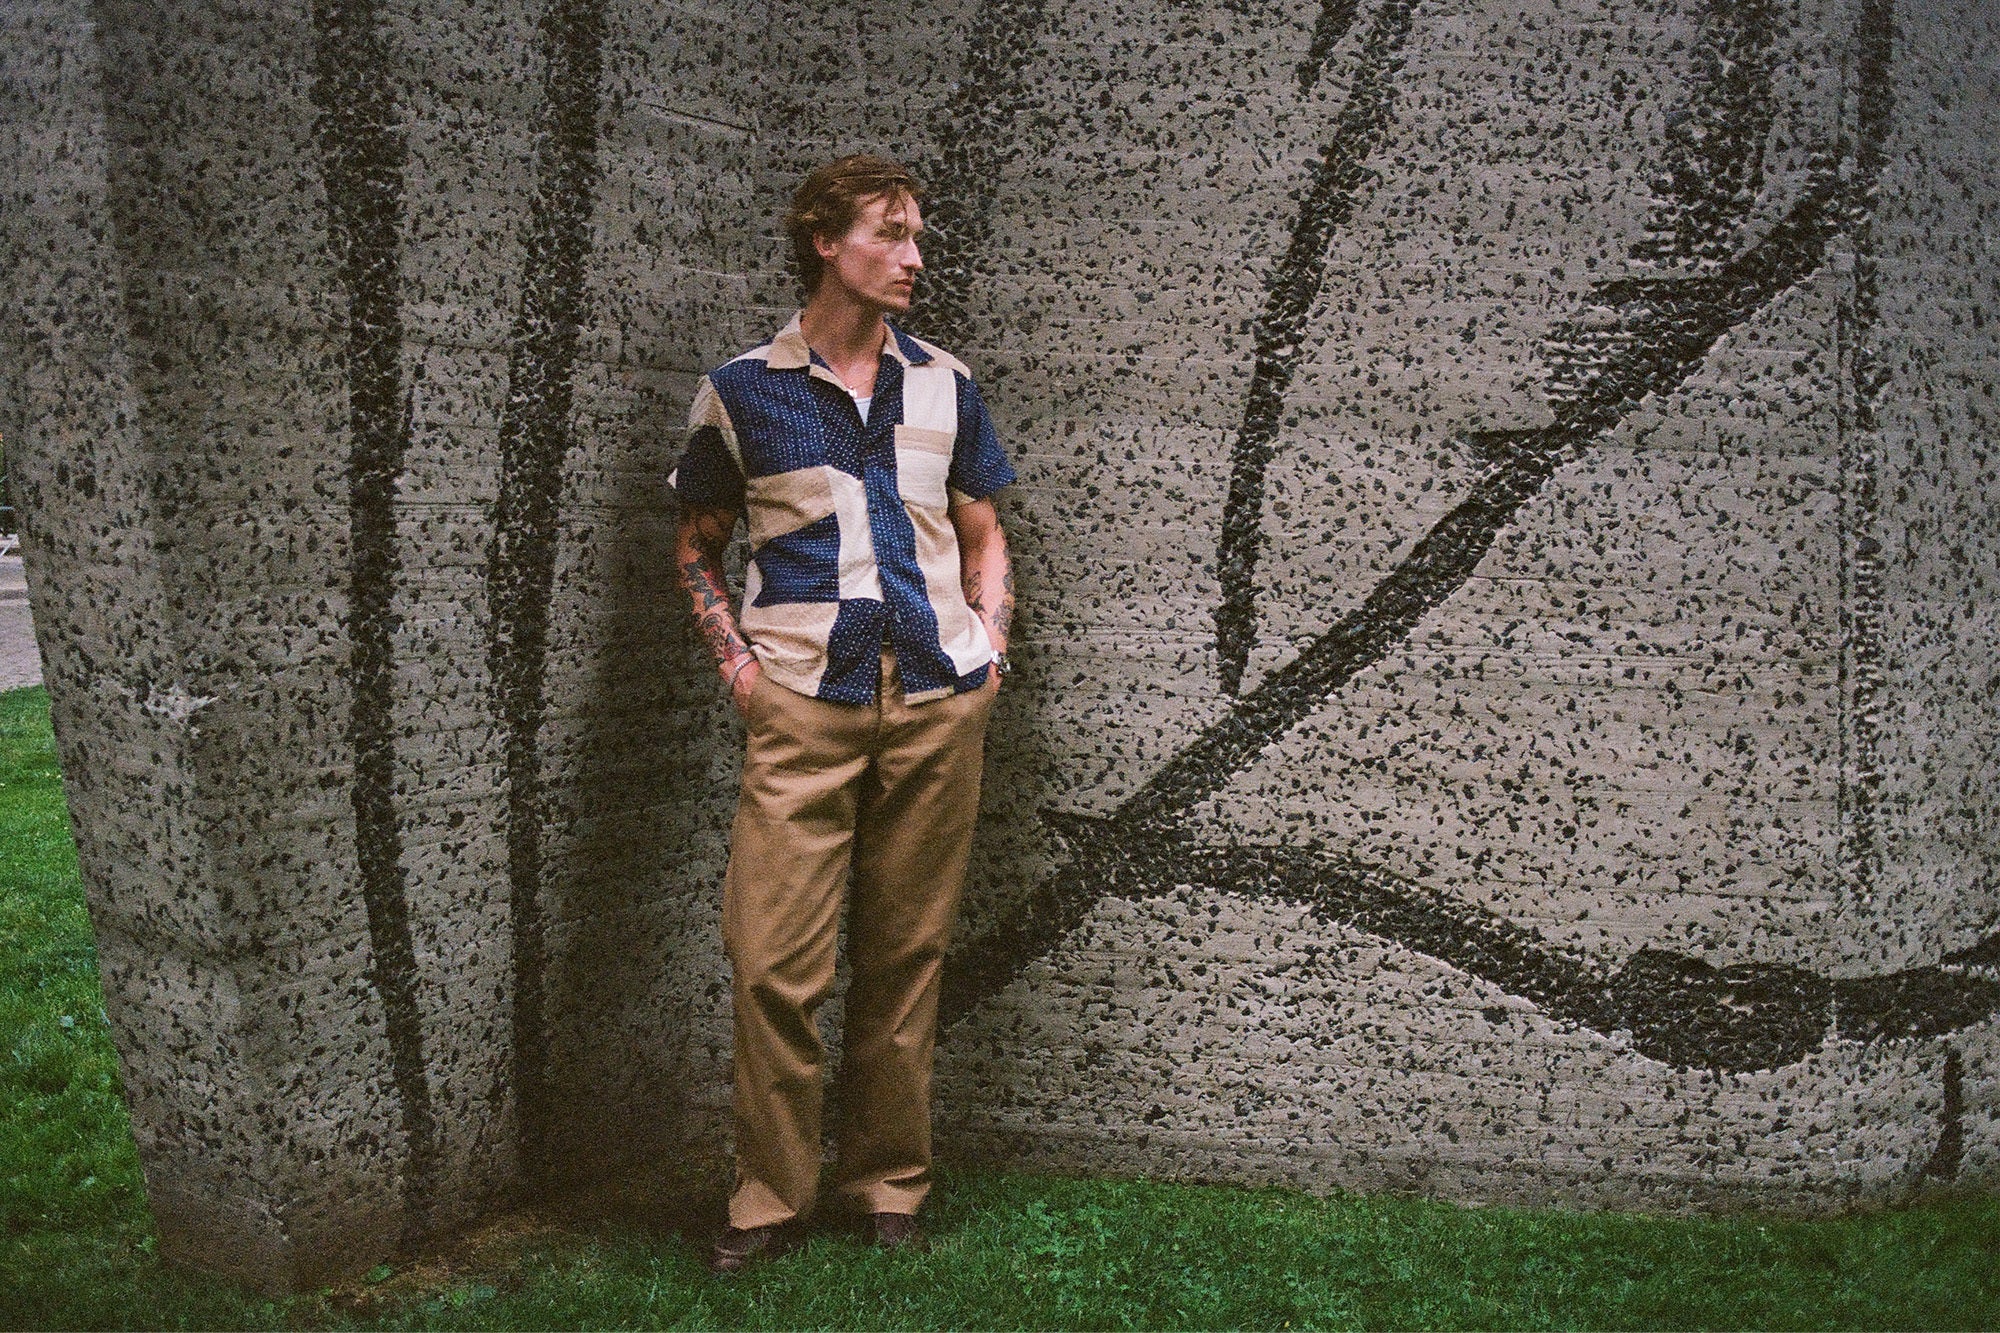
(913, 351)
(912, 624)
(708, 477)
(979, 466)
(842, 436)
(854, 653)
(802, 565)
(780, 426)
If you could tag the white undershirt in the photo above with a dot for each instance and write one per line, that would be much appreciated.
(861, 406)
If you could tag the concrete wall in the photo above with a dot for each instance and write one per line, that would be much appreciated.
(1507, 583)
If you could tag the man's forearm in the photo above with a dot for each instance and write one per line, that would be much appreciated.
(698, 548)
(988, 579)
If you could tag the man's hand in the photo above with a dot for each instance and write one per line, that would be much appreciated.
(743, 683)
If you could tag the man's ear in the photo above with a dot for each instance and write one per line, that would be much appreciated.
(825, 246)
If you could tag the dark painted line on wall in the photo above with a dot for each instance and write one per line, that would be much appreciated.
(1331, 195)
(1684, 1009)
(362, 158)
(1949, 1156)
(1677, 1009)
(1599, 375)
(1986, 953)
(1862, 596)
(963, 180)
(1713, 168)
(1335, 18)
(1915, 1003)
(536, 435)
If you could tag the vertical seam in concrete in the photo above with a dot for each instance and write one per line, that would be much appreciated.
(127, 155)
(536, 434)
(1332, 192)
(362, 157)
(1862, 601)
(962, 181)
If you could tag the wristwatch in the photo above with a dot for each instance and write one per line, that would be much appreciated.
(1001, 664)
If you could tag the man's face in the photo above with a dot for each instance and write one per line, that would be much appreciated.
(876, 262)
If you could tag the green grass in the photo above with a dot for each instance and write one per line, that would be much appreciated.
(1013, 1250)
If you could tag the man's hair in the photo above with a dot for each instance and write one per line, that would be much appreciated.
(831, 197)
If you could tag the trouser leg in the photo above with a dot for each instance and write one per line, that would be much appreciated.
(913, 837)
(788, 865)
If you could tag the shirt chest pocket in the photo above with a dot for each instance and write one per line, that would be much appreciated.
(923, 463)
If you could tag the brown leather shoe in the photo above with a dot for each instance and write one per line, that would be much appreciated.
(739, 1247)
(897, 1231)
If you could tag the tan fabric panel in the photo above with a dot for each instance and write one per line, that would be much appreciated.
(790, 640)
(923, 463)
(961, 634)
(859, 575)
(787, 349)
(940, 358)
(787, 501)
(708, 410)
(916, 437)
(930, 400)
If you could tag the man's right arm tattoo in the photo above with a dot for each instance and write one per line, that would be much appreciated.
(699, 544)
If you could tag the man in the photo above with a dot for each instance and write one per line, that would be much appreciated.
(865, 663)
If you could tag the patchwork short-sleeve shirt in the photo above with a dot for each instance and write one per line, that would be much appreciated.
(851, 542)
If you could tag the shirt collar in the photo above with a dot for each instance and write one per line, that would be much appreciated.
(789, 350)
(906, 349)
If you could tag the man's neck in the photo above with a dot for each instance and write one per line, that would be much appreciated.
(847, 335)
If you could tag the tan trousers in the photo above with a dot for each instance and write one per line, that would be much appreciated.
(891, 791)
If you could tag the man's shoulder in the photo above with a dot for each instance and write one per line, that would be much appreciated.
(920, 351)
(752, 360)
(723, 394)
(740, 374)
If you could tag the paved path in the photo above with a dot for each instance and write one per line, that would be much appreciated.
(20, 664)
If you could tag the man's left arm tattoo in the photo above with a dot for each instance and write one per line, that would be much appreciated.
(984, 572)
(1003, 615)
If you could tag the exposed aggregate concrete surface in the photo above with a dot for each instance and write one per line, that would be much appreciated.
(1508, 583)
